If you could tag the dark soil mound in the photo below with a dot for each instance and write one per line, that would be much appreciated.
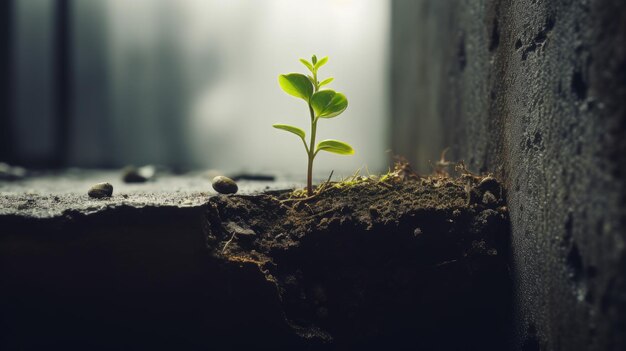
(370, 263)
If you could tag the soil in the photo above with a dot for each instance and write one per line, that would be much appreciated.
(403, 262)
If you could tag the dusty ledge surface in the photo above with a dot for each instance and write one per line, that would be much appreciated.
(53, 195)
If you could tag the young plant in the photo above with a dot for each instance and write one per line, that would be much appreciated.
(325, 103)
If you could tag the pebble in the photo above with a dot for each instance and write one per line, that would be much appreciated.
(224, 185)
(131, 174)
(236, 229)
(101, 190)
(489, 198)
(254, 177)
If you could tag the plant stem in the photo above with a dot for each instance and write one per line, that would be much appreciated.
(309, 179)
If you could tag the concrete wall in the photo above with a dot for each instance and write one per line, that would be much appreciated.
(535, 92)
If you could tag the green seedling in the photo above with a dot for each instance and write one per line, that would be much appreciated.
(324, 103)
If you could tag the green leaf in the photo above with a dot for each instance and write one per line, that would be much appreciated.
(321, 63)
(336, 106)
(335, 146)
(321, 99)
(314, 59)
(295, 130)
(307, 64)
(326, 81)
(296, 84)
(328, 103)
(311, 80)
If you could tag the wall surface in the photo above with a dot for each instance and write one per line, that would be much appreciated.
(533, 91)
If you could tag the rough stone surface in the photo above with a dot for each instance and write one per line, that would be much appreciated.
(53, 195)
(533, 91)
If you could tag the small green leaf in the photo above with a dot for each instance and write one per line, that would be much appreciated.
(334, 146)
(307, 64)
(295, 130)
(311, 80)
(336, 106)
(314, 59)
(321, 99)
(326, 81)
(328, 103)
(297, 85)
(321, 63)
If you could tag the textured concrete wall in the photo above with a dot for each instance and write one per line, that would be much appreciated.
(535, 92)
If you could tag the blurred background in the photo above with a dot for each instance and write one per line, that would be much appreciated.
(188, 83)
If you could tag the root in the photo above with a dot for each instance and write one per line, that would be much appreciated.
(227, 243)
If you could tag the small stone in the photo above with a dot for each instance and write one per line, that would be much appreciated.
(101, 190)
(236, 229)
(224, 185)
(131, 174)
(489, 198)
(254, 177)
